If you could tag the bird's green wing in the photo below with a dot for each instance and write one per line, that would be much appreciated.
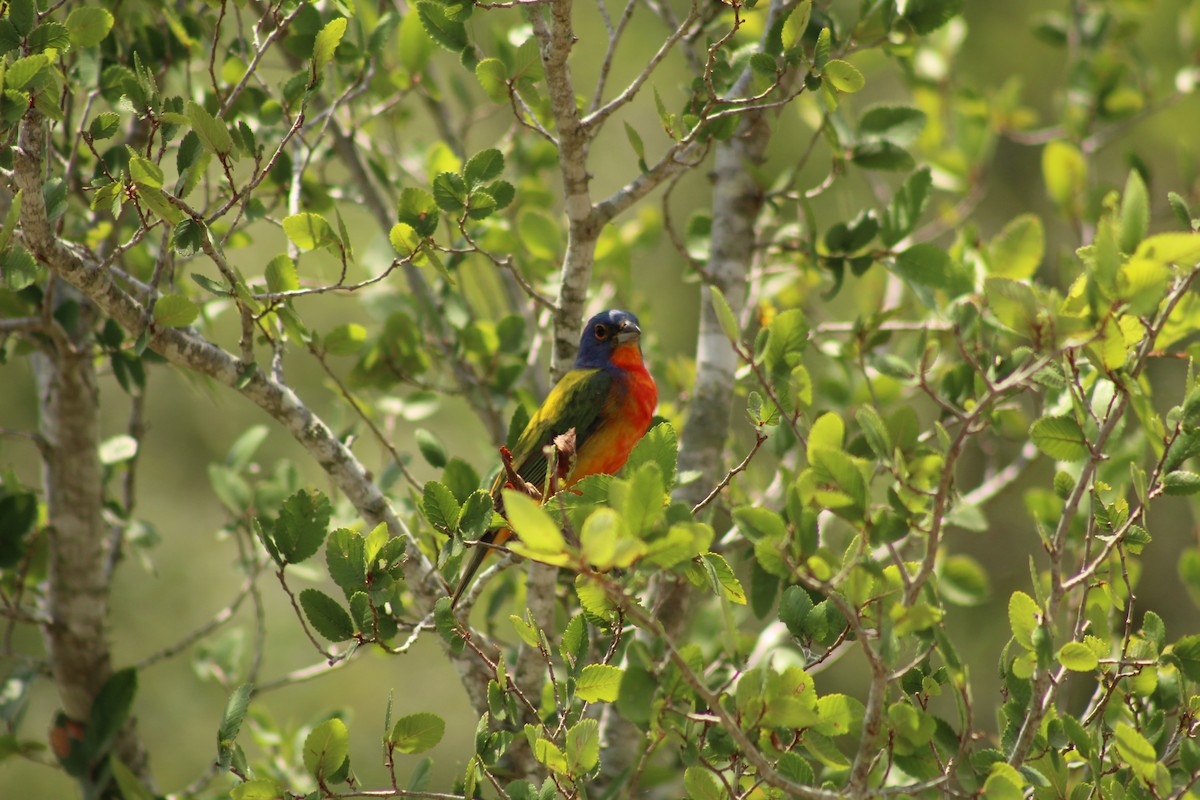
(575, 402)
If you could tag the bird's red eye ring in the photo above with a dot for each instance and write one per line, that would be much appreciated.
(601, 332)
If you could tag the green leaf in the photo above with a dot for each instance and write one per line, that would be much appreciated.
(475, 514)
(1060, 438)
(493, 77)
(1181, 482)
(131, 787)
(726, 583)
(583, 746)
(757, 522)
(573, 646)
(231, 720)
(440, 506)
(912, 724)
(105, 125)
(839, 714)
(154, 200)
(11, 217)
(258, 789)
(930, 266)
(327, 42)
(300, 529)
(926, 16)
(636, 695)
(1179, 206)
(23, 71)
(897, 124)
(764, 64)
(310, 231)
(189, 236)
(450, 191)
(698, 237)
(1136, 751)
(417, 733)
(326, 748)
(844, 76)
(1024, 616)
(605, 541)
(882, 156)
(788, 700)
(281, 274)
(407, 242)
(1064, 171)
(903, 213)
(787, 342)
(481, 205)
(1186, 652)
(526, 630)
(635, 141)
(1004, 782)
(1135, 213)
(1017, 250)
(1077, 657)
(88, 25)
(962, 581)
(212, 131)
(431, 447)
(875, 431)
(702, 784)
(450, 34)
(794, 606)
(110, 709)
(415, 46)
(346, 339)
(18, 268)
(483, 167)
(374, 543)
(175, 311)
(828, 432)
(725, 315)
(548, 753)
(598, 683)
(793, 29)
(419, 210)
(346, 558)
(1170, 248)
(22, 15)
(538, 531)
(1154, 630)
(326, 615)
(641, 505)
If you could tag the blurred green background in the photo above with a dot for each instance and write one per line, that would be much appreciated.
(189, 576)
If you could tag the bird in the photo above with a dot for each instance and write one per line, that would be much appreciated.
(608, 398)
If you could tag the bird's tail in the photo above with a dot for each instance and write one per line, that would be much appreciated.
(496, 536)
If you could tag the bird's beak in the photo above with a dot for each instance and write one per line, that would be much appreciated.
(628, 332)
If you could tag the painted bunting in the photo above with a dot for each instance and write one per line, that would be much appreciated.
(608, 398)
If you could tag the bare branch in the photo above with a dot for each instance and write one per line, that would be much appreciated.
(601, 113)
(760, 437)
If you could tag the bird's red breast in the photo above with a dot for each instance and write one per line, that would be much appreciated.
(628, 412)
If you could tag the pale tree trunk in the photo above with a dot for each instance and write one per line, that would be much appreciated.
(77, 594)
(737, 202)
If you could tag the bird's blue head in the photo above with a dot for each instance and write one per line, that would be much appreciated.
(603, 334)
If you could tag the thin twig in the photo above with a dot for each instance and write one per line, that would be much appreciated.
(759, 438)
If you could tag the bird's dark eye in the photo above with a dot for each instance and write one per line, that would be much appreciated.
(602, 332)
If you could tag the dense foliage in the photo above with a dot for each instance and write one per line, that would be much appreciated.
(767, 600)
